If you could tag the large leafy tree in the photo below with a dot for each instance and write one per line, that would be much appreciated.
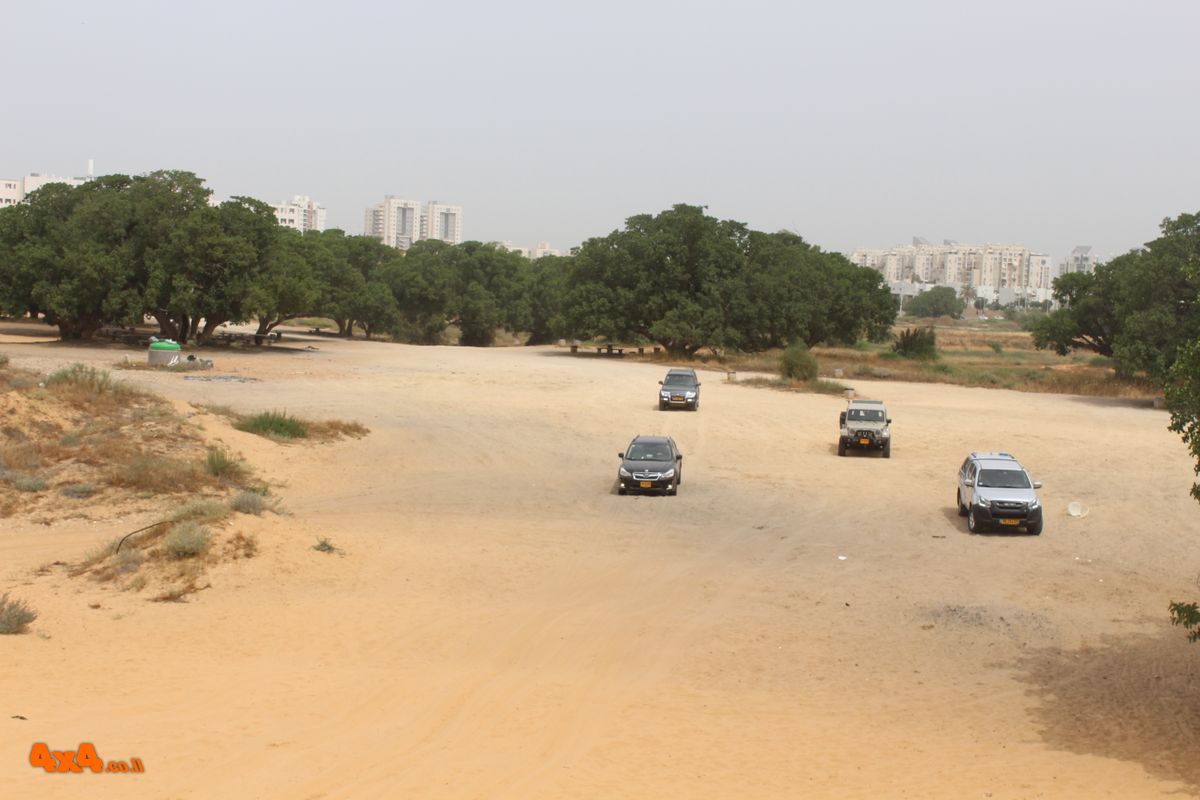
(1141, 308)
(64, 253)
(687, 280)
(289, 285)
(940, 301)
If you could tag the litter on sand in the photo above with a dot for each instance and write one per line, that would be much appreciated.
(1077, 509)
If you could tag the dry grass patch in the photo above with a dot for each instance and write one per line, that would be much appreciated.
(85, 431)
(173, 556)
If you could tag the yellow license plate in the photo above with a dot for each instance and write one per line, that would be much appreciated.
(676, 398)
(864, 441)
(645, 484)
(1010, 522)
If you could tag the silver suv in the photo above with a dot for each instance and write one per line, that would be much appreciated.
(865, 424)
(995, 490)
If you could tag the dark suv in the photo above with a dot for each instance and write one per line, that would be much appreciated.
(680, 389)
(650, 464)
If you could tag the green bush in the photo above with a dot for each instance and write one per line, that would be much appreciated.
(186, 540)
(273, 424)
(916, 343)
(798, 364)
(15, 615)
(220, 464)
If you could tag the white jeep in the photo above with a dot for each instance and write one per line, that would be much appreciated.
(865, 425)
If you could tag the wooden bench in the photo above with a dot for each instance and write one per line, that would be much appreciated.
(609, 350)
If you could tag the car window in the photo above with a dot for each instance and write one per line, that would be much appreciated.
(649, 452)
(1003, 479)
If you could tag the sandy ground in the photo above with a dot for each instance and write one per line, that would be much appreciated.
(499, 623)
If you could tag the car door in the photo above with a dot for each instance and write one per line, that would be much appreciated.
(968, 484)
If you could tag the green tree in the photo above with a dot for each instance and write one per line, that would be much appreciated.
(65, 254)
(687, 280)
(544, 287)
(940, 301)
(288, 286)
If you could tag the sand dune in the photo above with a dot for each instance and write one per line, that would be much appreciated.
(499, 623)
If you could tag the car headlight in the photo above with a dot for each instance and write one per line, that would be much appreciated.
(689, 395)
(669, 474)
(624, 473)
(1034, 504)
(885, 434)
(664, 395)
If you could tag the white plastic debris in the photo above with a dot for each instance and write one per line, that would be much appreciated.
(1077, 509)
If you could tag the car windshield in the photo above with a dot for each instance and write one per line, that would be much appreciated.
(1003, 479)
(678, 380)
(648, 452)
(866, 414)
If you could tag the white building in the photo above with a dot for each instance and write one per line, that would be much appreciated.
(15, 190)
(301, 213)
(398, 222)
(442, 221)
(993, 272)
(1082, 259)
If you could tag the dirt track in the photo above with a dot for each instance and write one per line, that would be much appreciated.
(501, 624)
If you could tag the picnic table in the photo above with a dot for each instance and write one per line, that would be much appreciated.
(238, 337)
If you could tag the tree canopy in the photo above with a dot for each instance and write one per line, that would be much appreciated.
(940, 301)
(687, 280)
(119, 249)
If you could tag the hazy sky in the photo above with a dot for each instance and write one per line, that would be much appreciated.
(1042, 123)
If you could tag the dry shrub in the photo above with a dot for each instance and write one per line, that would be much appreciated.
(158, 475)
(240, 546)
(248, 503)
(15, 615)
(94, 389)
(335, 429)
(205, 512)
(187, 540)
(19, 454)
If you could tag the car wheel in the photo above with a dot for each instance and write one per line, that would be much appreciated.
(972, 524)
(887, 449)
(962, 510)
(621, 492)
(1035, 530)
(662, 406)
(841, 448)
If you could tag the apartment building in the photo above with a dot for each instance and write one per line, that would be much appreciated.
(1082, 259)
(994, 272)
(398, 222)
(14, 190)
(302, 213)
(442, 221)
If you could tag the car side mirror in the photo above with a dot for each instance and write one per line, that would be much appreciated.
(889, 421)
(969, 482)
(660, 383)
(620, 455)
(697, 384)
(842, 418)
(679, 456)
(1037, 484)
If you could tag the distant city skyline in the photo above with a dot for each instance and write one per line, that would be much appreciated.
(855, 126)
